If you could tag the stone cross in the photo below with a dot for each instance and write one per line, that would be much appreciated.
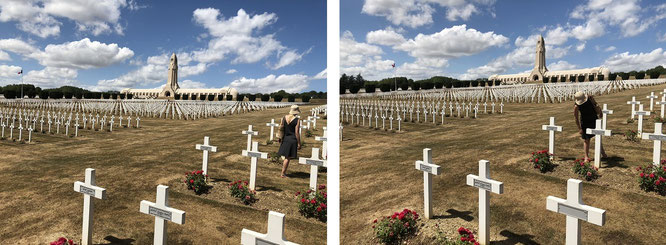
(3, 125)
(314, 163)
(206, 147)
(67, 128)
(76, 129)
(249, 133)
(633, 104)
(41, 124)
(551, 128)
(163, 213)
(11, 131)
(599, 132)
(428, 169)
(651, 97)
(129, 121)
(20, 128)
(575, 210)
(58, 128)
(662, 103)
(272, 124)
(137, 122)
(501, 107)
(485, 185)
(640, 114)
(274, 233)
(89, 190)
(30, 129)
(254, 154)
(605, 111)
(657, 137)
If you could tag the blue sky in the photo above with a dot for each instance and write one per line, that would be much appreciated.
(470, 39)
(253, 46)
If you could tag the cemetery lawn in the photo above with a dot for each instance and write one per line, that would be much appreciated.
(39, 203)
(378, 176)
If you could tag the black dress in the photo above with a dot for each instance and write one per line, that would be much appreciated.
(588, 118)
(289, 146)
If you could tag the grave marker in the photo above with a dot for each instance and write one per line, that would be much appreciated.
(657, 137)
(249, 133)
(428, 169)
(605, 112)
(485, 185)
(163, 213)
(551, 128)
(575, 210)
(599, 132)
(314, 163)
(272, 124)
(274, 233)
(640, 114)
(633, 104)
(89, 190)
(254, 154)
(206, 147)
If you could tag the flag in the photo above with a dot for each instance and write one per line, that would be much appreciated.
(393, 65)
(20, 72)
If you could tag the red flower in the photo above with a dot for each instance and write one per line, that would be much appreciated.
(406, 224)
(582, 163)
(247, 197)
(651, 175)
(391, 234)
(191, 181)
(642, 175)
(401, 216)
(302, 200)
(312, 201)
(319, 209)
(589, 174)
(375, 221)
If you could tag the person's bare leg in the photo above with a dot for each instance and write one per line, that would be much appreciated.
(285, 165)
(586, 145)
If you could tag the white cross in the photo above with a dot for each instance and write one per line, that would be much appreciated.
(206, 147)
(575, 210)
(249, 133)
(324, 153)
(485, 185)
(129, 122)
(272, 124)
(633, 104)
(501, 107)
(662, 103)
(11, 131)
(605, 112)
(254, 154)
(314, 163)
(651, 97)
(137, 122)
(89, 190)
(163, 213)
(58, 128)
(552, 128)
(274, 233)
(599, 132)
(428, 169)
(20, 128)
(76, 129)
(640, 114)
(657, 137)
(30, 129)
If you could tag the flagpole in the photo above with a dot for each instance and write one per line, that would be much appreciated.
(21, 84)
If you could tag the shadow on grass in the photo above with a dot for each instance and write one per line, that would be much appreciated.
(299, 175)
(513, 238)
(615, 162)
(465, 215)
(117, 241)
(268, 188)
(215, 180)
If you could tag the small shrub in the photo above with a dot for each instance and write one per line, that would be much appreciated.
(659, 119)
(653, 178)
(397, 227)
(63, 241)
(274, 157)
(196, 181)
(240, 190)
(631, 135)
(269, 142)
(313, 204)
(585, 169)
(309, 133)
(630, 120)
(541, 160)
(466, 238)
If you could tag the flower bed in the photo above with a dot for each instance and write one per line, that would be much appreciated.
(397, 227)
(466, 237)
(240, 190)
(541, 160)
(196, 181)
(63, 241)
(313, 204)
(585, 169)
(631, 135)
(653, 178)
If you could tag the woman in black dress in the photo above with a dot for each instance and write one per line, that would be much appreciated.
(589, 112)
(289, 138)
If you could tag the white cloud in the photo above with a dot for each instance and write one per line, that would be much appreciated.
(290, 83)
(610, 48)
(557, 36)
(353, 53)
(288, 58)
(661, 37)
(17, 46)
(451, 42)
(415, 13)
(580, 47)
(592, 29)
(51, 77)
(39, 17)
(9, 71)
(628, 62)
(82, 54)
(627, 15)
(189, 84)
(231, 71)
(561, 65)
(386, 37)
(320, 75)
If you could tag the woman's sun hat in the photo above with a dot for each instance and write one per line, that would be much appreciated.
(580, 98)
(294, 110)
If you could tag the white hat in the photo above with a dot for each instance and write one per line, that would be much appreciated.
(580, 98)
(294, 110)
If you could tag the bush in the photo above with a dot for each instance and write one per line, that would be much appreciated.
(240, 97)
(240, 190)
(211, 97)
(541, 160)
(404, 86)
(196, 181)
(475, 83)
(265, 97)
(600, 78)
(106, 96)
(385, 87)
(68, 95)
(130, 96)
(416, 86)
(546, 79)
(185, 96)
(624, 75)
(313, 204)
(175, 96)
(305, 98)
(640, 75)
(585, 169)
(397, 227)
(354, 88)
(612, 77)
(274, 157)
(482, 83)
(439, 84)
(653, 178)
(9, 94)
(590, 78)
(498, 82)
(291, 98)
(448, 84)
(370, 87)
(631, 135)
(63, 241)
(55, 94)
(122, 96)
(659, 119)
(230, 97)
(427, 84)
(466, 238)
(277, 98)
(581, 79)
(654, 74)
(202, 97)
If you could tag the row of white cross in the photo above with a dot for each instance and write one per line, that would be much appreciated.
(573, 207)
(164, 213)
